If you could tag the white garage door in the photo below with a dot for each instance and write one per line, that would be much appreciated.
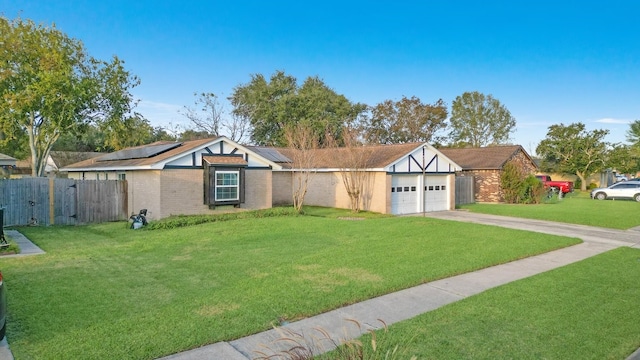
(436, 196)
(404, 194)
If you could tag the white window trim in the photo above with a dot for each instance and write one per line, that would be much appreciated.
(236, 186)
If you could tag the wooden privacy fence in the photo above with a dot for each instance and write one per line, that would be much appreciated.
(465, 190)
(49, 201)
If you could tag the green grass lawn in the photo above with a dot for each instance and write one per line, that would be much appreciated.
(577, 208)
(107, 292)
(586, 310)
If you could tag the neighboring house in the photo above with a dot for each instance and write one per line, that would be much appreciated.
(201, 176)
(7, 164)
(486, 165)
(55, 161)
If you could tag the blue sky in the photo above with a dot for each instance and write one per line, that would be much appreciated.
(548, 62)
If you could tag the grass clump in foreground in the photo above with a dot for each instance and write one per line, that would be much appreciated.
(13, 248)
(577, 208)
(587, 310)
(107, 292)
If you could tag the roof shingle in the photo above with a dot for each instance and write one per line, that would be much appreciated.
(486, 158)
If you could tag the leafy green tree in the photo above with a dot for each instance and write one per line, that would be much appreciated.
(130, 131)
(478, 120)
(633, 134)
(88, 139)
(573, 150)
(624, 158)
(270, 106)
(161, 134)
(191, 134)
(406, 120)
(15, 145)
(49, 85)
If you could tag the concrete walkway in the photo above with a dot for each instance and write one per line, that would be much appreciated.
(27, 248)
(405, 304)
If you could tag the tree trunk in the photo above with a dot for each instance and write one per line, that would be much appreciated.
(583, 182)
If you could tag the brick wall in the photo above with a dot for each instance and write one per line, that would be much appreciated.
(487, 182)
(281, 188)
(144, 192)
(525, 164)
(182, 192)
(258, 185)
(327, 189)
(487, 185)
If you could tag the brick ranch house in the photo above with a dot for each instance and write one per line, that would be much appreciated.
(210, 175)
(486, 165)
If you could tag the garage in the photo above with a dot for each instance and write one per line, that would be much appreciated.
(406, 197)
(436, 194)
(404, 194)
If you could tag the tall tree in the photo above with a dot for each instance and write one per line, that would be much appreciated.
(271, 105)
(49, 85)
(624, 158)
(209, 117)
(406, 120)
(633, 134)
(353, 160)
(573, 150)
(15, 144)
(303, 144)
(207, 114)
(478, 120)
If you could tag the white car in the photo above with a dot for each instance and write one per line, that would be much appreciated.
(622, 190)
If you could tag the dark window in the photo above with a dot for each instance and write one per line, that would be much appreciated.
(437, 187)
(443, 187)
(393, 189)
(413, 188)
(406, 188)
(399, 189)
(430, 187)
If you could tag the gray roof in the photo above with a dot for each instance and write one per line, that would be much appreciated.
(6, 160)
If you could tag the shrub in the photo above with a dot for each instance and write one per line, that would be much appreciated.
(13, 248)
(577, 184)
(533, 190)
(518, 188)
(178, 221)
(511, 181)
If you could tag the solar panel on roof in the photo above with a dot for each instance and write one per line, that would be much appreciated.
(140, 153)
(271, 154)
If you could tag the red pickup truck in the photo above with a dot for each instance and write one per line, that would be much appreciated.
(564, 186)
